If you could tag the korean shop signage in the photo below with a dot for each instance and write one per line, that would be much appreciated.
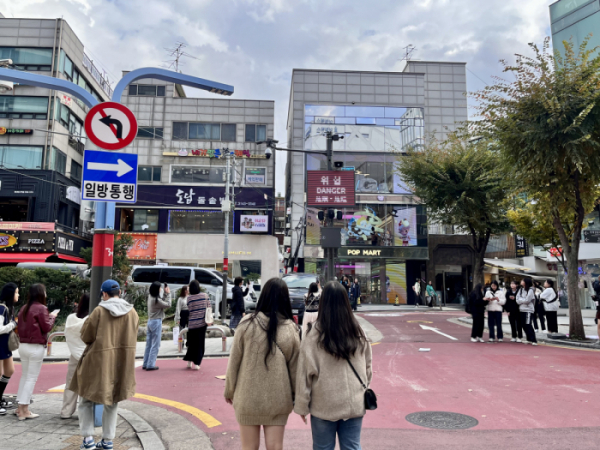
(4, 130)
(212, 153)
(200, 196)
(521, 246)
(330, 188)
(254, 224)
(591, 236)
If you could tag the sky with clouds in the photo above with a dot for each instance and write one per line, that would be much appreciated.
(255, 44)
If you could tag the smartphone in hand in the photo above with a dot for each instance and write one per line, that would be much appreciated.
(55, 312)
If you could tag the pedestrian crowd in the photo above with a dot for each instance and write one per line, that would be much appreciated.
(526, 304)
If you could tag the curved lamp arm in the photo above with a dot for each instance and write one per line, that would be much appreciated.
(32, 79)
(170, 76)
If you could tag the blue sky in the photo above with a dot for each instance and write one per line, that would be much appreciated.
(255, 44)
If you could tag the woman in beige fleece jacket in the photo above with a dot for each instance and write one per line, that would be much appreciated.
(326, 387)
(261, 373)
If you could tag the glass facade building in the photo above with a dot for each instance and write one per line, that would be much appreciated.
(574, 20)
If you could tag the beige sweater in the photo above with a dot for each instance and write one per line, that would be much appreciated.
(261, 395)
(326, 387)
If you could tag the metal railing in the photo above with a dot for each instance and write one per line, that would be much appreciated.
(52, 336)
(211, 328)
(103, 82)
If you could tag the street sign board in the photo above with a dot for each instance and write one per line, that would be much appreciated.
(110, 125)
(109, 177)
(330, 188)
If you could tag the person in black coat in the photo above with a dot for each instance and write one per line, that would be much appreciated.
(477, 306)
(514, 316)
(238, 308)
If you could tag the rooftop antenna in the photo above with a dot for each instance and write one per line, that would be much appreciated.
(177, 53)
(408, 53)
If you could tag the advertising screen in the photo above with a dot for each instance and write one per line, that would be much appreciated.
(395, 283)
(254, 224)
(405, 227)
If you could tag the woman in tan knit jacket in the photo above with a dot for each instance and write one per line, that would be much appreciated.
(327, 388)
(261, 374)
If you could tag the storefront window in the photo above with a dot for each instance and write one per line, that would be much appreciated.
(139, 220)
(197, 221)
(197, 174)
(20, 157)
(375, 225)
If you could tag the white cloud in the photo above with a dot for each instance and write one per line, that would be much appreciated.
(255, 44)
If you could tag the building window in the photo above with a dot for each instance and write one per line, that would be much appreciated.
(147, 90)
(20, 107)
(139, 220)
(198, 174)
(224, 132)
(71, 122)
(256, 133)
(20, 157)
(197, 221)
(149, 173)
(57, 161)
(75, 171)
(255, 175)
(31, 59)
(150, 133)
(72, 74)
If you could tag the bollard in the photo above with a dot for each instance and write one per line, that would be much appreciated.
(49, 352)
(49, 343)
(224, 339)
(179, 343)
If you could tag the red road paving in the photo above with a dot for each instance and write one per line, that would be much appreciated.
(537, 397)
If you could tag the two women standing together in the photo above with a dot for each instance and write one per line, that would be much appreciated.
(269, 369)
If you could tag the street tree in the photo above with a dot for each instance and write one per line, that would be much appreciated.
(547, 126)
(460, 182)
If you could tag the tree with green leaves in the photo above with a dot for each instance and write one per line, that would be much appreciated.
(121, 265)
(547, 125)
(461, 183)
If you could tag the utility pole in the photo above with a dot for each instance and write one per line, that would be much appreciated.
(226, 206)
(329, 218)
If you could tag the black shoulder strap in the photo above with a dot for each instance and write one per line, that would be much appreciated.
(356, 373)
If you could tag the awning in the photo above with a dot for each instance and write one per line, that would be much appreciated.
(76, 259)
(505, 265)
(24, 257)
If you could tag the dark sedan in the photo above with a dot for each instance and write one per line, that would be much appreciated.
(298, 284)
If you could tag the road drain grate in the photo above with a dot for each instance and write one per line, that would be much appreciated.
(442, 420)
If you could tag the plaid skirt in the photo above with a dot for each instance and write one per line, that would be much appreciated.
(234, 321)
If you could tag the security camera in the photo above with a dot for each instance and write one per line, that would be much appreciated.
(268, 152)
(6, 86)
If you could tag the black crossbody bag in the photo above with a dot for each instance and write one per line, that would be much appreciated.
(370, 397)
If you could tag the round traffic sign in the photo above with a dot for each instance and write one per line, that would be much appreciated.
(110, 125)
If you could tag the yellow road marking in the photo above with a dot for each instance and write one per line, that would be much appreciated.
(418, 321)
(376, 343)
(203, 417)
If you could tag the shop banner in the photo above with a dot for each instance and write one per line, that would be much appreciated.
(200, 196)
(395, 283)
(26, 241)
(144, 246)
(254, 224)
(70, 244)
(27, 226)
(521, 247)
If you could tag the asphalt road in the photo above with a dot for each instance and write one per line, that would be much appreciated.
(522, 396)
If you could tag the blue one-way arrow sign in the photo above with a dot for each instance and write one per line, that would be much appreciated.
(109, 176)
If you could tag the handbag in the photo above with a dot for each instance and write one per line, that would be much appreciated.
(208, 317)
(13, 338)
(370, 397)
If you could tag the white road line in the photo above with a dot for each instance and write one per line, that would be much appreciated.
(425, 327)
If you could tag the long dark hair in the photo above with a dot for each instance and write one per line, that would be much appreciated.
(528, 284)
(476, 292)
(7, 296)
(155, 289)
(551, 284)
(184, 291)
(83, 309)
(340, 335)
(274, 299)
(37, 294)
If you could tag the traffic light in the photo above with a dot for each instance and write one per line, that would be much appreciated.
(321, 215)
(339, 215)
(331, 214)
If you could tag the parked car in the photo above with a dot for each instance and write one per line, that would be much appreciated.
(78, 270)
(298, 284)
(251, 299)
(177, 276)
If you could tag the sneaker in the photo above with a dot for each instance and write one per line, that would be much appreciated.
(2, 411)
(519, 341)
(513, 340)
(473, 340)
(534, 343)
(480, 340)
(104, 444)
(491, 341)
(196, 367)
(189, 365)
(88, 444)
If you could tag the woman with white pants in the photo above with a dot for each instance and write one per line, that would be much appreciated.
(76, 346)
(33, 326)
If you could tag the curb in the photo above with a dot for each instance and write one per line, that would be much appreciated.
(468, 321)
(52, 359)
(143, 430)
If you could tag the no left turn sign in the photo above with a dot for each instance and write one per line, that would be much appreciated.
(110, 125)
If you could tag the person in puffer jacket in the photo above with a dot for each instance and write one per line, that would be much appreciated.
(497, 299)
(526, 302)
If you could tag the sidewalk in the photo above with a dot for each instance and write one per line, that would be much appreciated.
(50, 432)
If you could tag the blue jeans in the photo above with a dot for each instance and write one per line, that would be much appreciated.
(153, 336)
(324, 431)
(495, 322)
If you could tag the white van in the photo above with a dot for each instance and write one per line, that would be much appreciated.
(177, 276)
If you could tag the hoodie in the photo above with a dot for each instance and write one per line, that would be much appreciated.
(526, 300)
(73, 335)
(494, 305)
(116, 306)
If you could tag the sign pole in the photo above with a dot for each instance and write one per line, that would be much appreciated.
(330, 251)
(102, 262)
(226, 243)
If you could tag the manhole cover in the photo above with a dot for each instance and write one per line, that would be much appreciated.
(442, 420)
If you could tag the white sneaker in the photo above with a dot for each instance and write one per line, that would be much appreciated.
(480, 340)
(473, 340)
(189, 365)
(513, 340)
(499, 340)
(519, 341)
(534, 343)
(196, 367)
(491, 340)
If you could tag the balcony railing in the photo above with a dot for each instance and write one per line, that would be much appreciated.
(104, 84)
